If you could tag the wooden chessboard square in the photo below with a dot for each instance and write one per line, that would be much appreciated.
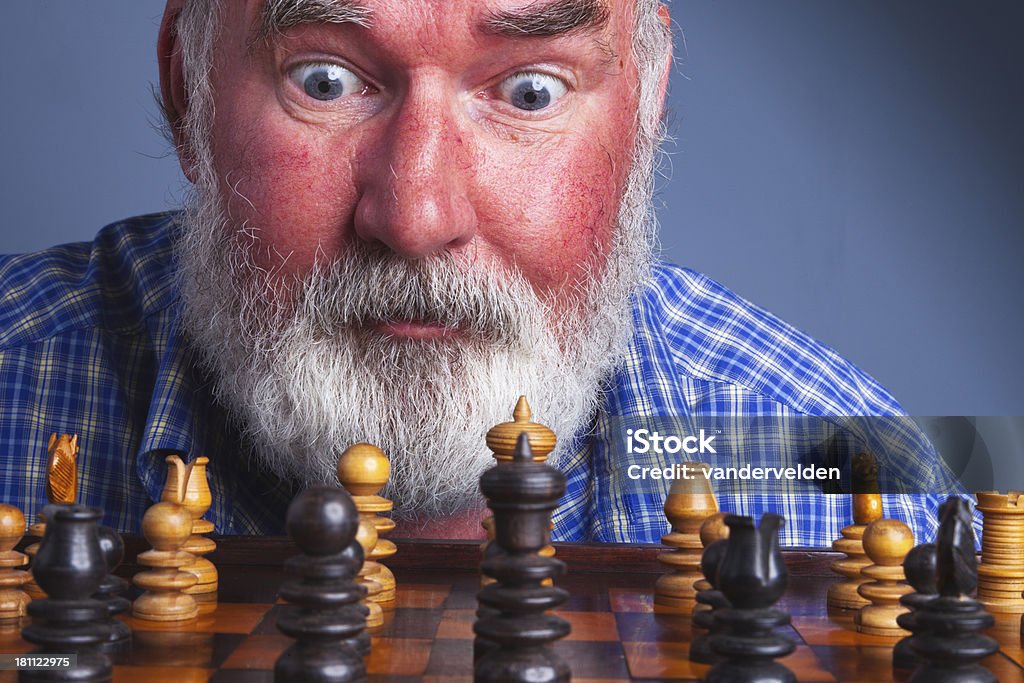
(593, 659)
(652, 627)
(1014, 652)
(399, 656)
(874, 663)
(836, 631)
(670, 661)
(10, 637)
(409, 623)
(809, 599)
(457, 624)
(858, 662)
(804, 663)
(394, 656)
(589, 594)
(421, 596)
(1002, 667)
(587, 602)
(1007, 631)
(156, 674)
(268, 624)
(463, 593)
(628, 600)
(450, 657)
(179, 649)
(260, 585)
(662, 660)
(591, 626)
(257, 652)
(226, 618)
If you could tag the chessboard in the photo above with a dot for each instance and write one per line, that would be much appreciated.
(618, 634)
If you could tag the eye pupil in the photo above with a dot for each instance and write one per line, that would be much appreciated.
(325, 82)
(532, 92)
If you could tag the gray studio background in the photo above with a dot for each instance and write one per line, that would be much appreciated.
(855, 167)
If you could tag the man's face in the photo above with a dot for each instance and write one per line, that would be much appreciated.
(437, 129)
(404, 221)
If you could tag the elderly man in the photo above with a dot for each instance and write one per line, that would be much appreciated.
(405, 215)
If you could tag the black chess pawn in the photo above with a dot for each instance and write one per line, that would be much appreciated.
(919, 568)
(482, 646)
(517, 628)
(703, 620)
(324, 614)
(69, 567)
(110, 590)
(752, 576)
(950, 645)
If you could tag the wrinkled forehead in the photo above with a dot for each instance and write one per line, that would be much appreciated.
(266, 19)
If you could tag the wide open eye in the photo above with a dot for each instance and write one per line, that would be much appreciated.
(532, 91)
(326, 81)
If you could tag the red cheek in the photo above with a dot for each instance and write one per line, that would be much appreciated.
(288, 200)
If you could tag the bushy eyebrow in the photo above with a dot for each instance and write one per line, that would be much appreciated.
(277, 16)
(547, 18)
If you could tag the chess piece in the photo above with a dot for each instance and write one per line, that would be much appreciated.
(61, 487)
(69, 568)
(867, 507)
(950, 644)
(1001, 572)
(363, 470)
(324, 615)
(167, 526)
(752, 577)
(13, 599)
(36, 530)
(886, 542)
(187, 485)
(708, 600)
(919, 568)
(366, 536)
(501, 440)
(62, 469)
(110, 590)
(712, 529)
(690, 501)
(514, 636)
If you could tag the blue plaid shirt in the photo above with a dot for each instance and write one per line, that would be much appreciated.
(90, 344)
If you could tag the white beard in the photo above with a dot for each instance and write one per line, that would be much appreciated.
(300, 368)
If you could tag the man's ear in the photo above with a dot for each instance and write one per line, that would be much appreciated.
(172, 83)
(666, 71)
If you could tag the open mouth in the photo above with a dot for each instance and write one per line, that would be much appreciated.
(415, 329)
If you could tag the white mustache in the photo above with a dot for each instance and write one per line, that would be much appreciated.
(365, 286)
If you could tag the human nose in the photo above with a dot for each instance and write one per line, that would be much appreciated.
(415, 195)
